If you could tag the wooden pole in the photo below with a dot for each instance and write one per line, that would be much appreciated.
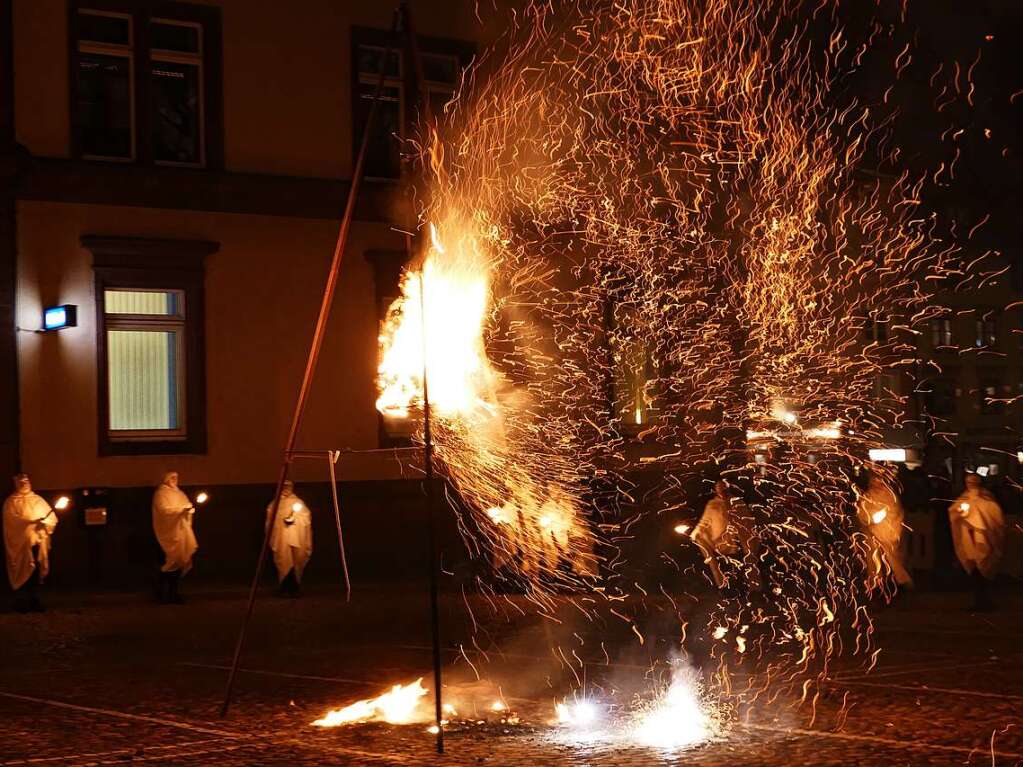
(311, 362)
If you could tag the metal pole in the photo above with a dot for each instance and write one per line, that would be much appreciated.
(314, 354)
(424, 96)
(431, 527)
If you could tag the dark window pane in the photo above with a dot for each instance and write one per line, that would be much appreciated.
(175, 112)
(438, 100)
(940, 397)
(992, 395)
(383, 158)
(104, 29)
(440, 69)
(104, 105)
(368, 61)
(174, 37)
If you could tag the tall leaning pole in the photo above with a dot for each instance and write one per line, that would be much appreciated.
(313, 358)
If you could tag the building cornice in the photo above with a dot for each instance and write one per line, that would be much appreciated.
(74, 181)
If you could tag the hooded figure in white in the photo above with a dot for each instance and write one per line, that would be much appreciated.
(28, 524)
(724, 529)
(291, 538)
(172, 523)
(978, 533)
(881, 517)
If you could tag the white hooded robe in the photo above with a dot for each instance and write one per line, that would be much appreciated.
(884, 537)
(172, 523)
(292, 545)
(978, 531)
(28, 522)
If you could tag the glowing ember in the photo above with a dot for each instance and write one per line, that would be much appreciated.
(681, 529)
(400, 705)
(879, 516)
(62, 503)
(202, 497)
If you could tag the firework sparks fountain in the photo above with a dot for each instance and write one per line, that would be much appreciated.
(653, 249)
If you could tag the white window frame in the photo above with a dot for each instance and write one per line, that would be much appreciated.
(157, 55)
(120, 51)
(160, 323)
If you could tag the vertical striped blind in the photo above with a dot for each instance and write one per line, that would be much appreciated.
(143, 359)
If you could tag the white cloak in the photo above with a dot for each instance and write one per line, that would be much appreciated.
(28, 522)
(172, 523)
(978, 531)
(292, 545)
(714, 533)
(884, 536)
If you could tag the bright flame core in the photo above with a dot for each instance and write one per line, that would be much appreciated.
(677, 719)
(578, 714)
(454, 292)
(62, 503)
(398, 706)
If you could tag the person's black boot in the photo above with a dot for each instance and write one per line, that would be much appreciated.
(175, 597)
(162, 588)
(289, 586)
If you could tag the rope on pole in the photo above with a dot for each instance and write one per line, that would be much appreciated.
(331, 460)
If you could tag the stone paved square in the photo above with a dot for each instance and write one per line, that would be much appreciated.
(112, 679)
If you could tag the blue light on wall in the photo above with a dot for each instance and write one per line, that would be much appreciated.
(59, 317)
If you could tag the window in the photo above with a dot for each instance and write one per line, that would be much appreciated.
(146, 83)
(987, 332)
(145, 363)
(443, 61)
(992, 394)
(383, 157)
(106, 104)
(176, 98)
(940, 396)
(151, 363)
(941, 332)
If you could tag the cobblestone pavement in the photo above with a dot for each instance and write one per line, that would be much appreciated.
(112, 679)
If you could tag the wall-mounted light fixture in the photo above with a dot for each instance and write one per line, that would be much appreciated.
(60, 317)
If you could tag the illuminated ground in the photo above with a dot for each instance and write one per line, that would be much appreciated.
(112, 680)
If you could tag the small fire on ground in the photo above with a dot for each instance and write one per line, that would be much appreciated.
(400, 705)
(676, 717)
